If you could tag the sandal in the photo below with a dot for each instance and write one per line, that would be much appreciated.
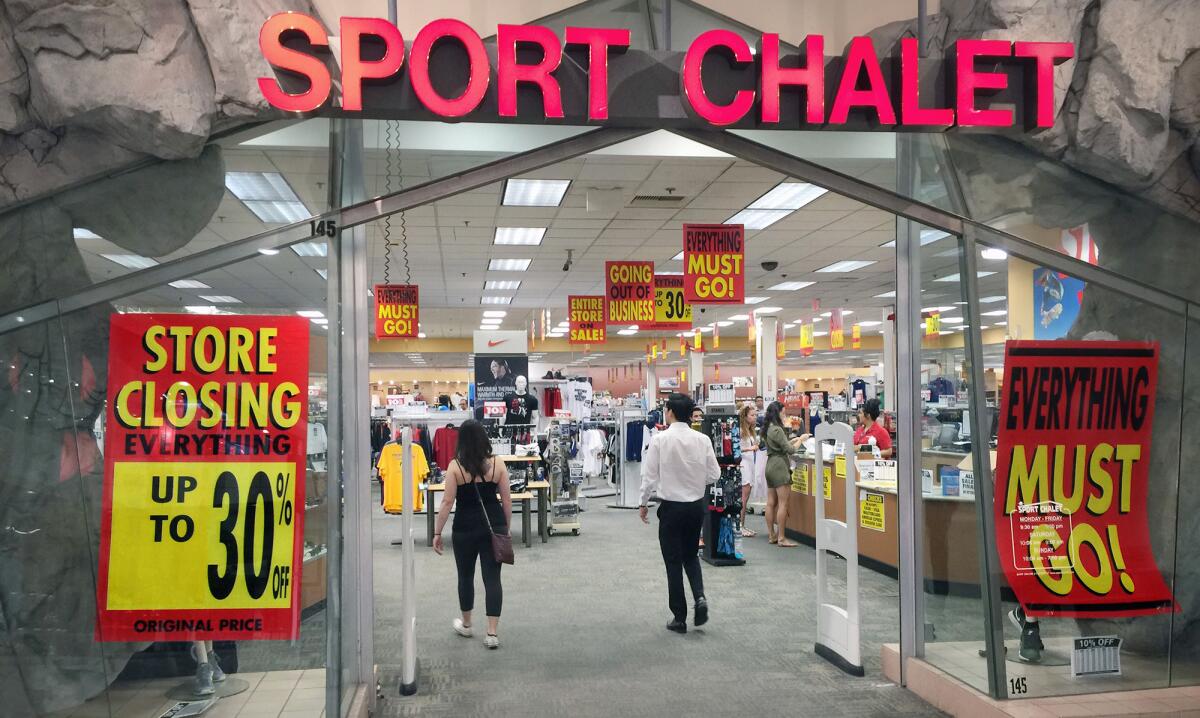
(787, 544)
(747, 533)
(772, 538)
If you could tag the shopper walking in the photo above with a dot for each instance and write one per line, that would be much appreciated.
(677, 468)
(779, 476)
(478, 483)
(751, 456)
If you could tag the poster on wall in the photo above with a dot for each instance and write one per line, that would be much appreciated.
(498, 375)
(202, 517)
(671, 310)
(1073, 478)
(397, 311)
(1056, 302)
(585, 315)
(629, 292)
(714, 263)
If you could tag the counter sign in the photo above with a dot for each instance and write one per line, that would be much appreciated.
(714, 263)
(397, 311)
(586, 317)
(204, 470)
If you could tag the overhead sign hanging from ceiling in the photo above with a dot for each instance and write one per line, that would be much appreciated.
(671, 309)
(591, 74)
(714, 263)
(397, 311)
(629, 292)
(586, 317)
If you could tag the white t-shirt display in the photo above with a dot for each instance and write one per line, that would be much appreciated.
(578, 399)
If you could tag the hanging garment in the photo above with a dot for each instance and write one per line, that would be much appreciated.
(552, 401)
(579, 399)
(633, 440)
(318, 441)
(592, 446)
(445, 445)
(391, 471)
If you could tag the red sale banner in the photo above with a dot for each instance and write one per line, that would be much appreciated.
(397, 311)
(586, 317)
(202, 525)
(629, 292)
(837, 330)
(1072, 478)
(714, 263)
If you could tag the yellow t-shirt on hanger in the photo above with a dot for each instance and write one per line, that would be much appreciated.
(391, 470)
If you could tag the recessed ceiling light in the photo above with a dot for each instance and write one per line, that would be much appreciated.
(189, 284)
(936, 309)
(754, 219)
(738, 318)
(954, 277)
(323, 273)
(493, 299)
(81, 233)
(491, 320)
(311, 249)
(848, 265)
(995, 313)
(726, 323)
(627, 332)
(788, 195)
(668, 272)
(519, 235)
(871, 323)
(509, 265)
(768, 310)
(502, 284)
(132, 261)
(886, 295)
(220, 299)
(268, 252)
(677, 257)
(991, 300)
(492, 313)
(268, 195)
(320, 321)
(994, 254)
(952, 320)
(789, 325)
(556, 334)
(754, 300)
(1002, 324)
(928, 236)
(790, 286)
(310, 313)
(820, 334)
(208, 309)
(534, 192)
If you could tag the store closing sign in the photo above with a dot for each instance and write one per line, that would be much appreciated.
(714, 263)
(671, 309)
(629, 292)
(806, 339)
(1072, 478)
(397, 311)
(585, 315)
(203, 511)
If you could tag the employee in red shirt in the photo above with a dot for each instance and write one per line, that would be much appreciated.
(868, 428)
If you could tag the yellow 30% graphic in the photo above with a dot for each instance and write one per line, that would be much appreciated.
(202, 535)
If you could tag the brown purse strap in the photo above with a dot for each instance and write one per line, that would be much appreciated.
(482, 506)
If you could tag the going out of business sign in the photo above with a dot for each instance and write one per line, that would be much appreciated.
(531, 72)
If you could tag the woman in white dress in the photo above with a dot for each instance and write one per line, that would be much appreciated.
(747, 418)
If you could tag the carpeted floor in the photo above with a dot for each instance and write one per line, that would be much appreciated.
(583, 634)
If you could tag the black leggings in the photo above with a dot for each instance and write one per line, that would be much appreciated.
(469, 543)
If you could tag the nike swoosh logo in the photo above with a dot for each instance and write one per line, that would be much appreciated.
(496, 342)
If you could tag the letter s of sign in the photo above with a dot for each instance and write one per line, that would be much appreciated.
(270, 41)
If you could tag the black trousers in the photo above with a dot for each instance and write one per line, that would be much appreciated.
(469, 544)
(679, 525)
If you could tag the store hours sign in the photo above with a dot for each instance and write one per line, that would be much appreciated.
(203, 511)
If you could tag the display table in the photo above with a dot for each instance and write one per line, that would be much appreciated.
(950, 548)
(540, 489)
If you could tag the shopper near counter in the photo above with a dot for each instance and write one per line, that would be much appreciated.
(751, 457)
(678, 467)
(869, 428)
(774, 440)
(478, 483)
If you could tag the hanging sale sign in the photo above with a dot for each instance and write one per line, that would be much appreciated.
(837, 331)
(397, 311)
(1072, 478)
(629, 292)
(806, 339)
(856, 337)
(671, 310)
(586, 317)
(714, 263)
(202, 521)
(933, 324)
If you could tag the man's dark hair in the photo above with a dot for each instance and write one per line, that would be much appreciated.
(871, 409)
(680, 406)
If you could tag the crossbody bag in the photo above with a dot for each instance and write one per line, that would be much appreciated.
(502, 547)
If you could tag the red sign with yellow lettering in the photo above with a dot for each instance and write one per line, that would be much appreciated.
(629, 292)
(586, 317)
(397, 311)
(714, 263)
(202, 524)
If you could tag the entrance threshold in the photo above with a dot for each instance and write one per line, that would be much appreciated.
(951, 695)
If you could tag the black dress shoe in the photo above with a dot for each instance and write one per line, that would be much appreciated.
(701, 612)
(677, 626)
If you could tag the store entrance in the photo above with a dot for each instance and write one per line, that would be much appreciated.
(585, 602)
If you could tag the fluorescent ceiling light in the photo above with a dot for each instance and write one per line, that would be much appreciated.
(1002, 324)
(826, 314)
(502, 284)
(871, 323)
(201, 309)
(788, 195)
(322, 321)
(994, 254)
(220, 299)
(726, 323)
(81, 233)
(133, 261)
(268, 252)
(491, 320)
(847, 312)
(738, 318)
(491, 313)
(556, 334)
(323, 273)
(767, 310)
(952, 320)
(954, 277)
(991, 300)
(928, 236)
(755, 300)
(790, 286)
(936, 309)
(534, 192)
(677, 257)
(995, 313)
(189, 284)
(886, 295)
(704, 330)
(758, 218)
(311, 249)
(267, 195)
(310, 313)
(669, 273)
(848, 265)
(789, 326)
(519, 235)
(627, 332)
(820, 334)
(509, 265)
(493, 299)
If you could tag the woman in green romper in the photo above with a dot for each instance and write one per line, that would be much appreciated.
(779, 474)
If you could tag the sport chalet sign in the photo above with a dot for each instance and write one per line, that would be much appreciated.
(591, 75)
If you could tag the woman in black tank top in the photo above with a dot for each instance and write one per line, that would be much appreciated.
(477, 483)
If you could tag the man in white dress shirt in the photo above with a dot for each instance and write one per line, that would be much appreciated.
(677, 468)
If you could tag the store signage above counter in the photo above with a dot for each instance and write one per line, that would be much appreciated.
(529, 73)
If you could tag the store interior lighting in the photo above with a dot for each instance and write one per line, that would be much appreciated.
(534, 192)
(529, 236)
(954, 277)
(132, 261)
(509, 265)
(494, 313)
(268, 195)
(494, 299)
(790, 286)
(220, 299)
(189, 284)
(849, 265)
(502, 285)
(311, 249)
(754, 300)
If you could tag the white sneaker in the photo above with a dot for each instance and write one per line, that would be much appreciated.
(492, 642)
(461, 629)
